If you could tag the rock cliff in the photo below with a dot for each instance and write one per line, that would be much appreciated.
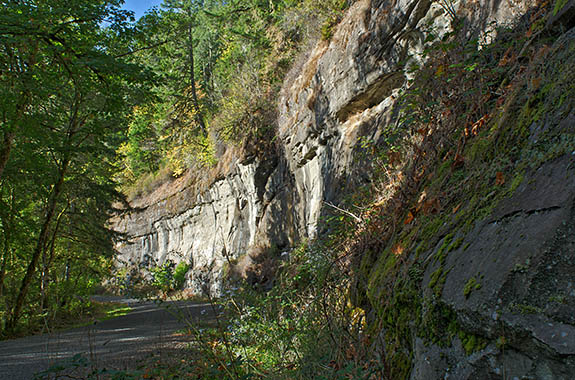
(342, 93)
(503, 276)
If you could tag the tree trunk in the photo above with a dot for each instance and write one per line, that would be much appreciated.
(7, 226)
(47, 262)
(40, 244)
(6, 252)
(5, 150)
(199, 116)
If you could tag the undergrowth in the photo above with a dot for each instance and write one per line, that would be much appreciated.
(305, 327)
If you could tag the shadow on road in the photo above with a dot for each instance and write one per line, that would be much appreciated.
(116, 343)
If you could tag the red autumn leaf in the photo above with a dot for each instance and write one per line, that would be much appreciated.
(542, 52)
(505, 59)
(479, 124)
(419, 175)
(499, 179)
(393, 158)
(350, 352)
(409, 218)
(431, 206)
(422, 131)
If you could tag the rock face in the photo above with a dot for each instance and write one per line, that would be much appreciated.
(523, 257)
(509, 278)
(343, 95)
(212, 230)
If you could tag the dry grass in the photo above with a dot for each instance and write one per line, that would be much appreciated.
(194, 181)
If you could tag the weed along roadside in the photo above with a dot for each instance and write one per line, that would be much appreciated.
(282, 189)
(92, 312)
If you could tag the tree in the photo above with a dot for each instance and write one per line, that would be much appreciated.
(74, 96)
(182, 18)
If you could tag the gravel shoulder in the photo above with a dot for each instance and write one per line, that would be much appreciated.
(118, 343)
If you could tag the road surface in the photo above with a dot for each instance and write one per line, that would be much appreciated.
(119, 343)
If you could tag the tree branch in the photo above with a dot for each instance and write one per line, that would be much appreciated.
(357, 218)
(142, 49)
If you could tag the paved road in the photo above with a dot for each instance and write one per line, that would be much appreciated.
(116, 343)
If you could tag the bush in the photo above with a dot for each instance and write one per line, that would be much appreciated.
(163, 276)
(169, 276)
(180, 275)
(303, 328)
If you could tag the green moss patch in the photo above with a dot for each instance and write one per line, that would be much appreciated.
(470, 286)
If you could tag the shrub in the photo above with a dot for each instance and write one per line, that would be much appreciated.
(180, 275)
(169, 276)
(163, 276)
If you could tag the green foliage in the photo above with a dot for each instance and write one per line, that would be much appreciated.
(140, 151)
(327, 28)
(521, 308)
(249, 114)
(65, 96)
(169, 276)
(180, 275)
(163, 276)
(471, 342)
(219, 67)
(332, 11)
(559, 4)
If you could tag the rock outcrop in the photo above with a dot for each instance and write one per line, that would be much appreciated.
(211, 231)
(509, 282)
